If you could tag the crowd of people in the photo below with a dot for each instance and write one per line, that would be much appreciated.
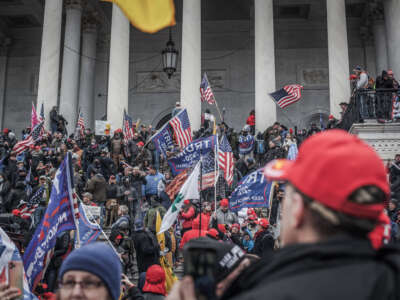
(128, 180)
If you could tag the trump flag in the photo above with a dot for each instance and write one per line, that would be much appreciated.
(60, 216)
(252, 191)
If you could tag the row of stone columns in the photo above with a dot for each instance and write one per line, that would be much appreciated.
(78, 68)
(77, 84)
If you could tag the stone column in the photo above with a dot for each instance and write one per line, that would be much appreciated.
(70, 68)
(381, 52)
(50, 58)
(392, 22)
(339, 87)
(118, 78)
(191, 61)
(264, 48)
(3, 75)
(369, 51)
(88, 66)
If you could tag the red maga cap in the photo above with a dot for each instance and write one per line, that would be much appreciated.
(330, 166)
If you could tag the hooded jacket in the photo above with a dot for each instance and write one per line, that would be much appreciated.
(339, 268)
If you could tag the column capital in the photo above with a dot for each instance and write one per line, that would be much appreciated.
(74, 4)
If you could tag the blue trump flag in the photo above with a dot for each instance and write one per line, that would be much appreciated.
(59, 217)
(88, 231)
(253, 190)
(163, 140)
(191, 154)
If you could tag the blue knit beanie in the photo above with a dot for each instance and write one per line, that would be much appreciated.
(98, 259)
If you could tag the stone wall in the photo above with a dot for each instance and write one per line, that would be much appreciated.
(228, 57)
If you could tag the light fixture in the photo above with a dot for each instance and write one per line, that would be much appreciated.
(169, 57)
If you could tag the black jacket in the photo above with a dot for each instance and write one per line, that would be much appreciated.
(147, 249)
(340, 268)
(263, 243)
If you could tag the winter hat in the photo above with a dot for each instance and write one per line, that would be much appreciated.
(186, 201)
(97, 259)
(228, 255)
(155, 280)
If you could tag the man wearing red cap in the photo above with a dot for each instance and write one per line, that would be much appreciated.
(223, 215)
(334, 197)
(263, 239)
(187, 215)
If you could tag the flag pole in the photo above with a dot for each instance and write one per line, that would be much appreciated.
(216, 166)
(201, 188)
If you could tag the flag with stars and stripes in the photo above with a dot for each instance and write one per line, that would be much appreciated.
(80, 126)
(182, 131)
(288, 95)
(225, 159)
(41, 116)
(127, 128)
(34, 118)
(206, 92)
(208, 171)
(37, 196)
(31, 139)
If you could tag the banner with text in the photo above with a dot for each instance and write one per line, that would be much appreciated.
(252, 191)
(191, 154)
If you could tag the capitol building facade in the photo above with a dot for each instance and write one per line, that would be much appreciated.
(84, 54)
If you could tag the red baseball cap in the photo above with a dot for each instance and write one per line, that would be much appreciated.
(330, 166)
(263, 223)
(224, 202)
(186, 201)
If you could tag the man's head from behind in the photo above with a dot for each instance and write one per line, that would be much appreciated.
(337, 185)
(91, 272)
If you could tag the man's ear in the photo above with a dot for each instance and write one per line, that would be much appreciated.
(298, 210)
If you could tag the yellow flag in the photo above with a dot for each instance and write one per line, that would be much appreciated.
(215, 127)
(148, 15)
(170, 277)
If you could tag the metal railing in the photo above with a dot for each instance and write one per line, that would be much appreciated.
(369, 104)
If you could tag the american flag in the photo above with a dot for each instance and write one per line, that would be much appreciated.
(34, 118)
(175, 185)
(181, 125)
(288, 95)
(37, 196)
(31, 139)
(206, 91)
(26, 210)
(41, 117)
(208, 171)
(225, 159)
(80, 125)
(127, 128)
